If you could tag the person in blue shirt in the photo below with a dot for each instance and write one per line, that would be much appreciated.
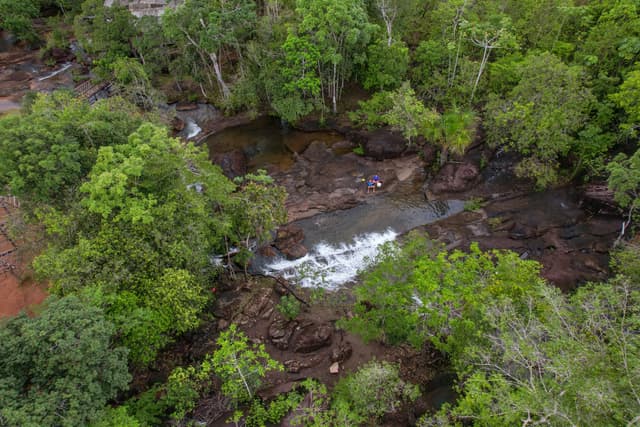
(371, 186)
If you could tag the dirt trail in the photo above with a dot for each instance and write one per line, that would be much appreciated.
(15, 295)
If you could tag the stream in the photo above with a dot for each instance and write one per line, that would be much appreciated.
(340, 243)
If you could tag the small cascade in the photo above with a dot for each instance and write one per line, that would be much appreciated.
(191, 129)
(331, 265)
(343, 243)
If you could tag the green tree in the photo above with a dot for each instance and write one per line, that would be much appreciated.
(105, 32)
(241, 366)
(258, 210)
(46, 152)
(454, 132)
(132, 83)
(211, 29)
(420, 292)
(628, 98)
(542, 117)
(147, 215)
(374, 390)
(340, 30)
(624, 181)
(387, 65)
(409, 115)
(17, 17)
(296, 89)
(59, 368)
(564, 361)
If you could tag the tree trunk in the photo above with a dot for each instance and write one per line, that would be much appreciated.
(218, 73)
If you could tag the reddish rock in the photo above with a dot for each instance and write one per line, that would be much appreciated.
(455, 178)
(177, 124)
(186, 106)
(280, 332)
(429, 153)
(317, 152)
(233, 163)
(385, 144)
(267, 251)
(312, 337)
(295, 251)
(288, 235)
(342, 352)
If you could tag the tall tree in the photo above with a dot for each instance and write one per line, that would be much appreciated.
(59, 368)
(340, 30)
(46, 152)
(212, 28)
(542, 117)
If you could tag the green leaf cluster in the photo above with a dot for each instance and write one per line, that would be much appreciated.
(61, 367)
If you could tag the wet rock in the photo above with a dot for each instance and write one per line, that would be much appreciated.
(223, 324)
(521, 232)
(280, 289)
(312, 337)
(317, 152)
(455, 178)
(429, 153)
(294, 366)
(233, 163)
(289, 241)
(295, 251)
(385, 144)
(280, 332)
(57, 55)
(259, 303)
(267, 251)
(177, 124)
(342, 352)
(342, 145)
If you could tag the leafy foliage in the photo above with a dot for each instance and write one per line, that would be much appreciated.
(241, 366)
(542, 117)
(46, 152)
(289, 307)
(420, 292)
(374, 390)
(59, 368)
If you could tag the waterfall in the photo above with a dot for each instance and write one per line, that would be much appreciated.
(191, 129)
(331, 265)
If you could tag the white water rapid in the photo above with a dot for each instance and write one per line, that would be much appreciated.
(331, 265)
(342, 243)
(191, 129)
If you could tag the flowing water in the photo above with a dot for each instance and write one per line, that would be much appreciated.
(340, 243)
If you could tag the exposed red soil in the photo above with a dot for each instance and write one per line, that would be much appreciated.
(16, 294)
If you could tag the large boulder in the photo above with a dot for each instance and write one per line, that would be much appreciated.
(280, 332)
(233, 163)
(317, 152)
(312, 337)
(385, 144)
(289, 241)
(455, 178)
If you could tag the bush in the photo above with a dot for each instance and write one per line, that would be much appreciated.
(374, 390)
(289, 307)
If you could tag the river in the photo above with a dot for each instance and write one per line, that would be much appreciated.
(340, 243)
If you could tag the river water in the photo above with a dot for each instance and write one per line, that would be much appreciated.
(340, 243)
